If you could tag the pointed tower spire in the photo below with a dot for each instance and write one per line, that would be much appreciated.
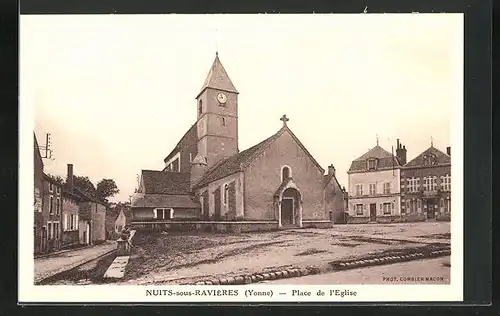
(218, 78)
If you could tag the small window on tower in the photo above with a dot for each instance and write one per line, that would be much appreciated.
(223, 121)
(200, 107)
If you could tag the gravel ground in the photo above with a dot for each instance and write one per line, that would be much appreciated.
(164, 258)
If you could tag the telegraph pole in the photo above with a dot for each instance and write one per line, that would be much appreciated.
(46, 148)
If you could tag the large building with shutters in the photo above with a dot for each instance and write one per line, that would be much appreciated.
(209, 183)
(426, 186)
(386, 188)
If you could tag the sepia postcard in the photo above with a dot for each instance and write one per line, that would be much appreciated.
(241, 158)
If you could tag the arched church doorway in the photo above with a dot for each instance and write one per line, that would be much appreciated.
(290, 207)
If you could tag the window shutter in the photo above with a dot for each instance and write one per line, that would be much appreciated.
(65, 222)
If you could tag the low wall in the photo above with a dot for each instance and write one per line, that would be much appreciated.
(69, 238)
(207, 226)
(317, 224)
(413, 217)
(397, 219)
(443, 217)
(358, 220)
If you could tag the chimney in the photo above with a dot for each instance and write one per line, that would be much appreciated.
(401, 153)
(331, 170)
(70, 177)
(448, 151)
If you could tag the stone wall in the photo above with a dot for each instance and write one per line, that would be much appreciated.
(263, 177)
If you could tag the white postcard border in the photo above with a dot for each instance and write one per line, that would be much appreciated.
(28, 292)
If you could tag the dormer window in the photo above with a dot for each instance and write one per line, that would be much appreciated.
(429, 160)
(372, 164)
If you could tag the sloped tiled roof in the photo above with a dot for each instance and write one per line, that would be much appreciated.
(165, 182)
(192, 132)
(218, 78)
(36, 150)
(239, 161)
(86, 197)
(66, 192)
(165, 200)
(234, 163)
(385, 160)
(328, 177)
(441, 158)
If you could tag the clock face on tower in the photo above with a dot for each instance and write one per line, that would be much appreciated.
(222, 98)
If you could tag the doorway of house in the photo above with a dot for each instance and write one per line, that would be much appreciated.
(430, 208)
(87, 234)
(373, 212)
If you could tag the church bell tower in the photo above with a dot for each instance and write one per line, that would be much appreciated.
(217, 114)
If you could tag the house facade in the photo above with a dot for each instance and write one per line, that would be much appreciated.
(51, 213)
(208, 182)
(374, 186)
(426, 186)
(90, 217)
(70, 215)
(39, 228)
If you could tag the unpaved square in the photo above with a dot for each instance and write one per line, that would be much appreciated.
(179, 259)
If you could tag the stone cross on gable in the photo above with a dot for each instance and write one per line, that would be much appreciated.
(284, 119)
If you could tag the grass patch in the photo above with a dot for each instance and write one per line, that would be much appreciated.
(436, 236)
(382, 241)
(311, 251)
(345, 244)
(392, 252)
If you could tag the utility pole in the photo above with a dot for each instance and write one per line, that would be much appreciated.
(46, 148)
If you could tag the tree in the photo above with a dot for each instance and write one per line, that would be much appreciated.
(106, 188)
(84, 184)
(57, 179)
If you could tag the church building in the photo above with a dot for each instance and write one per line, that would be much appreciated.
(208, 183)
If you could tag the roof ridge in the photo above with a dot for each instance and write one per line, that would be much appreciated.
(180, 140)
(304, 148)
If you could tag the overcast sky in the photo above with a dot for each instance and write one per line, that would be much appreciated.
(117, 92)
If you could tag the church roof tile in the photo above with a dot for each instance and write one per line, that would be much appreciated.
(165, 182)
(238, 162)
(165, 200)
(234, 163)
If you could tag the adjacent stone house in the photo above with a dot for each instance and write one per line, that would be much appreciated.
(91, 217)
(335, 197)
(426, 186)
(208, 182)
